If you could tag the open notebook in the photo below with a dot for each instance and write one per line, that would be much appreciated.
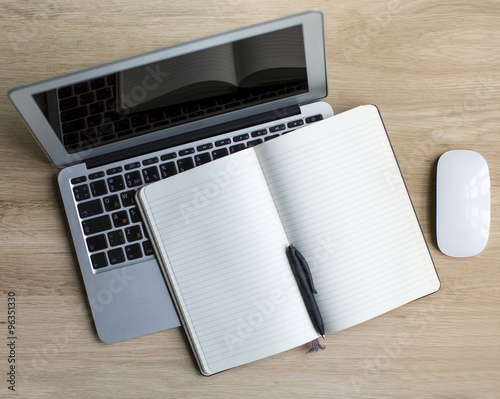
(333, 190)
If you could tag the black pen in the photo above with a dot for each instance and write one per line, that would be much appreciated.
(303, 276)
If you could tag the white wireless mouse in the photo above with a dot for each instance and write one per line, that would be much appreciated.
(462, 203)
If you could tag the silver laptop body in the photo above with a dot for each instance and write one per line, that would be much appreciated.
(116, 127)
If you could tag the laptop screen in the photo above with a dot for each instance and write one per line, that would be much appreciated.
(165, 96)
(174, 91)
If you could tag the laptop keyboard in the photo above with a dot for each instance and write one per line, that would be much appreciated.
(110, 220)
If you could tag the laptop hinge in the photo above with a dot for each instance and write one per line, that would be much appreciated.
(193, 136)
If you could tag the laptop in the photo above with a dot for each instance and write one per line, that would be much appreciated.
(116, 127)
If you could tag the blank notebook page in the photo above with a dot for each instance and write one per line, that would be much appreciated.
(223, 246)
(344, 205)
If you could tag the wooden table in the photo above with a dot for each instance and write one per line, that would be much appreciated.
(432, 69)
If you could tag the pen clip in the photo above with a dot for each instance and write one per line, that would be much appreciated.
(296, 255)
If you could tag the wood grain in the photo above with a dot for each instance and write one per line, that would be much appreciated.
(432, 68)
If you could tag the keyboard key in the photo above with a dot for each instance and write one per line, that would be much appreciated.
(253, 143)
(298, 122)
(205, 147)
(116, 238)
(133, 251)
(151, 174)
(78, 180)
(200, 159)
(97, 243)
(222, 152)
(241, 137)
(148, 248)
(120, 218)
(116, 183)
(96, 175)
(150, 161)
(133, 165)
(82, 192)
(133, 179)
(314, 118)
(112, 203)
(98, 188)
(220, 143)
(116, 256)
(128, 198)
(278, 128)
(99, 260)
(96, 225)
(114, 171)
(90, 208)
(260, 132)
(168, 169)
(236, 148)
(185, 164)
(135, 215)
(133, 233)
(166, 157)
(186, 152)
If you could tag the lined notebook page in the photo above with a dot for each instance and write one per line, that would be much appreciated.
(222, 244)
(344, 205)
